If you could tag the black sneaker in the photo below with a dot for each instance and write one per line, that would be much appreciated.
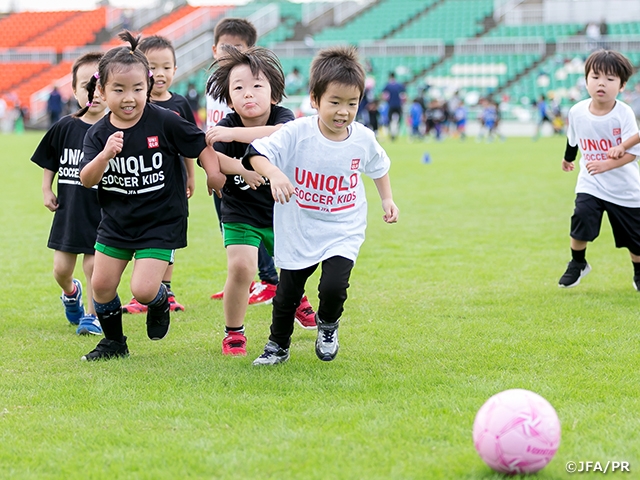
(158, 319)
(636, 282)
(575, 271)
(272, 355)
(107, 349)
(327, 341)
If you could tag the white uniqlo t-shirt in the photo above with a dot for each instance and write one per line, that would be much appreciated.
(594, 135)
(216, 111)
(327, 217)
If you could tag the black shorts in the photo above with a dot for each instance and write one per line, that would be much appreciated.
(587, 218)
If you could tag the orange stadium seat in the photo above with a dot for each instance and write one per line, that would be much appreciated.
(18, 28)
(47, 76)
(13, 73)
(80, 29)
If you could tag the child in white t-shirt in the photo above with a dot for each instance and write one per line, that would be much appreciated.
(604, 184)
(319, 161)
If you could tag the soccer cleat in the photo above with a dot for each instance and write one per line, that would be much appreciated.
(107, 349)
(636, 282)
(218, 295)
(273, 354)
(89, 325)
(235, 344)
(327, 341)
(262, 293)
(134, 306)
(173, 305)
(305, 316)
(73, 308)
(575, 271)
(158, 320)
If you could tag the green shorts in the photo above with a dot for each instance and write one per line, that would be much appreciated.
(243, 234)
(127, 254)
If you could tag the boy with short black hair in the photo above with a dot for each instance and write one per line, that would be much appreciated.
(323, 156)
(604, 184)
(162, 62)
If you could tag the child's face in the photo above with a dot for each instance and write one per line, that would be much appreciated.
(250, 96)
(233, 40)
(162, 65)
(337, 109)
(603, 88)
(83, 75)
(125, 93)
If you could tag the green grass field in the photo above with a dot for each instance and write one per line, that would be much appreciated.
(455, 303)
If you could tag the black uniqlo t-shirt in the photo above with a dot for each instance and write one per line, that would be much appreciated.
(142, 195)
(76, 220)
(177, 103)
(240, 203)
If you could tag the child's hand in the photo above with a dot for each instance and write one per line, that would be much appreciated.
(281, 188)
(114, 144)
(602, 166)
(391, 211)
(567, 166)
(219, 134)
(253, 179)
(211, 187)
(616, 152)
(50, 201)
(191, 186)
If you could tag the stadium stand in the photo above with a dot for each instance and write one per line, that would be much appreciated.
(18, 28)
(80, 29)
(550, 32)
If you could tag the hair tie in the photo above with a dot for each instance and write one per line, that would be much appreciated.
(131, 52)
(96, 75)
(150, 73)
(89, 104)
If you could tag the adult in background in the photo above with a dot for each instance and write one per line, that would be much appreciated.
(54, 105)
(394, 94)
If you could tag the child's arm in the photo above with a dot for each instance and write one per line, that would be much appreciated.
(391, 212)
(605, 165)
(281, 188)
(617, 151)
(231, 166)
(215, 178)
(50, 199)
(91, 174)
(191, 176)
(239, 134)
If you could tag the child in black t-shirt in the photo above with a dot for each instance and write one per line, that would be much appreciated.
(162, 62)
(76, 209)
(252, 83)
(134, 155)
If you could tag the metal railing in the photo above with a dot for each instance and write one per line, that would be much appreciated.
(584, 45)
(27, 54)
(496, 46)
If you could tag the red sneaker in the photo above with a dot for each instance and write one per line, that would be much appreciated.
(235, 344)
(305, 316)
(134, 306)
(220, 294)
(262, 292)
(173, 305)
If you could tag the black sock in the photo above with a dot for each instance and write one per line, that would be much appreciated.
(579, 255)
(110, 317)
(636, 268)
(161, 302)
(234, 329)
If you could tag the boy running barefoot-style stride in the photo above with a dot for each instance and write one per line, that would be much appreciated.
(76, 209)
(604, 184)
(135, 156)
(314, 165)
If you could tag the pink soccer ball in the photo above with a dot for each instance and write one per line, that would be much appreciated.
(516, 431)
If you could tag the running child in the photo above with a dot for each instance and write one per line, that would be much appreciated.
(604, 184)
(241, 34)
(134, 155)
(162, 60)
(252, 83)
(323, 156)
(76, 209)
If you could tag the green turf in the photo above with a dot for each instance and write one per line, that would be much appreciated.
(455, 303)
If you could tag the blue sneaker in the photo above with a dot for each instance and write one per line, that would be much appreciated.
(73, 307)
(89, 325)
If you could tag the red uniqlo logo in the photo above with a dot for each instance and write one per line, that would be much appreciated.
(355, 163)
(153, 142)
(616, 131)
